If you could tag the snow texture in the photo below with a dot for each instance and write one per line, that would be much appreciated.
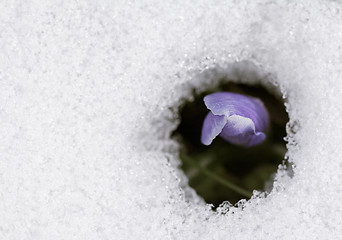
(89, 92)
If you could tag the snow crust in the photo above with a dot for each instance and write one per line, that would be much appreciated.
(89, 92)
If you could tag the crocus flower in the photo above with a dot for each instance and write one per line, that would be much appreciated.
(239, 119)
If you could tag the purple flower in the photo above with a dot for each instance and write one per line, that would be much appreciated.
(239, 119)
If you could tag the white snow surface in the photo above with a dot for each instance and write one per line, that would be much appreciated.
(89, 93)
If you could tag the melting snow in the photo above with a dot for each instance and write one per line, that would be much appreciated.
(88, 99)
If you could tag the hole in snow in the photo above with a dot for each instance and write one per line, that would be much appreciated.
(209, 168)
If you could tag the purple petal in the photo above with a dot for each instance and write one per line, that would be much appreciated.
(228, 104)
(212, 126)
(241, 131)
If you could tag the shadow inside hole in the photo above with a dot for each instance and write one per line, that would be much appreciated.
(249, 168)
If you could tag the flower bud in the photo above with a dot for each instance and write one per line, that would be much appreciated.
(239, 119)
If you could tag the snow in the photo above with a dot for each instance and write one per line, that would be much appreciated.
(89, 93)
